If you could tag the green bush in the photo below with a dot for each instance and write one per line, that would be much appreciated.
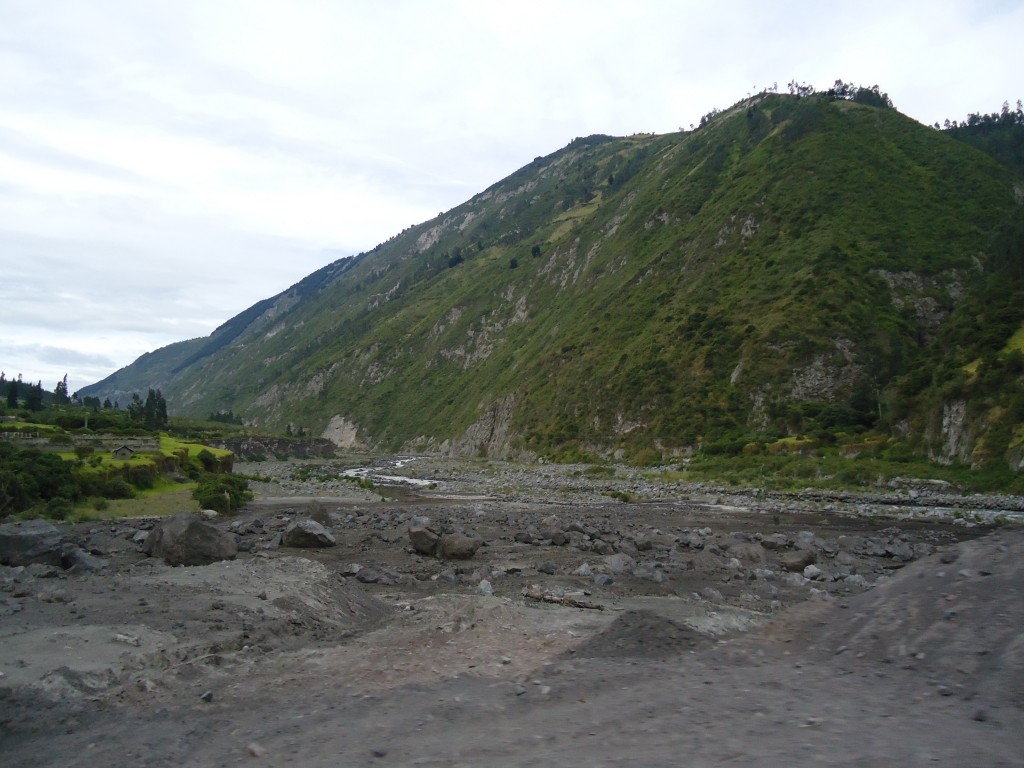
(223, 493)
(208, 460)
(141, 475)
(58, 509)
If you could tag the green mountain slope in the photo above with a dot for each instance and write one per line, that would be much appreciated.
(787, 268)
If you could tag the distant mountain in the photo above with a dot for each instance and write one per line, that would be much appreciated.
(797, 265)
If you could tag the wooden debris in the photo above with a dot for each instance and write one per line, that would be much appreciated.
(534, 593)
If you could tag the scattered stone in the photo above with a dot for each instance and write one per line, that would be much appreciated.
(79, 560)
(255, 750)
(795, 562)
(56, 596)
(42, 571)
(619, 563)
(368, 576)
(547, 567)
(813, 573)
(603, 580)
(485, 588)
(206, 696)
(584, 570)
(712, 594)
(747, 551)
(307, 534)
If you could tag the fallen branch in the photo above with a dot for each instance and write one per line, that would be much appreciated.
(533, 593)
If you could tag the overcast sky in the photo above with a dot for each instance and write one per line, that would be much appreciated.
(165, 164)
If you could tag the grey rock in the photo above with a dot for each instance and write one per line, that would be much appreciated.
(77, 559)
(602, 547)
(794, 579)
(187, 539)
(643, 544)
(795, 562)
(808, 540)
(547, 567)
(368, 576)
(650, 573)
(31, 541)
(813, 573)
(747, 551)
(43, 571)
(458, 546)
(619, 563)
(307, 534)
(603, 580)
(485, 588)
(423, 538)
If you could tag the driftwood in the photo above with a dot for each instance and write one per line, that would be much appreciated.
(534, 593)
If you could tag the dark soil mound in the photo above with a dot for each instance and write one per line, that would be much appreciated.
(640, 633)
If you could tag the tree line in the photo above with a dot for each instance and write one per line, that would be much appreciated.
(150, 413)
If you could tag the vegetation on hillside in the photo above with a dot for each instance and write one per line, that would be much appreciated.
(811, 265)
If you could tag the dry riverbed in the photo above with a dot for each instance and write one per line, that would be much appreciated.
(533, 618)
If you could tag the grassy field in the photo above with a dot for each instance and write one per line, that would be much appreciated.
(157, 502)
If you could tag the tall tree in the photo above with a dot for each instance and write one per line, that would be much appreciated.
(60, 392)
(155, 410)
(34, 400)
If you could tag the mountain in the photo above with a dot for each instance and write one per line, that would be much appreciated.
(798, 265)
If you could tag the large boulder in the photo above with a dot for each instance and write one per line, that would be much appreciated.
(31, 541)
(458, 546)
(423, 537)
(187, 539)
(306, 534)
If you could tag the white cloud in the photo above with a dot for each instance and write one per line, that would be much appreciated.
(164, 166)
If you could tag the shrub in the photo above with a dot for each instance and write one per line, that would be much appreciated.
(141, 475)
(208, 460)
(224, 493)
(58, 508)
